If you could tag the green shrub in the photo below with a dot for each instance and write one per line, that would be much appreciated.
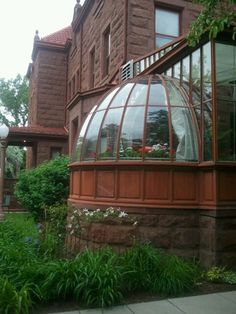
(13, 301)
(43, 186)
(141, 265)
(99, 279)
(177, 276)
(221, 275)
(61, 278)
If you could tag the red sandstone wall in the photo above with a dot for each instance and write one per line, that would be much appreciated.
(91, 30)
(141, 23)
(51, 91)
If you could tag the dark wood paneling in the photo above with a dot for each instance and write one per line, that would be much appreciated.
(157, 185)
(184, 186)
(75, 183)
(207, 186)
(87, 183)
(105, 186)
(129, 184)
(227, 186)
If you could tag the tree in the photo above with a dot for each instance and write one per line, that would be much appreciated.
(215, 17)
(14, 101)
(14, 112)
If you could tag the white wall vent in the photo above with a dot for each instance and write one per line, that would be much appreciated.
(127, 71)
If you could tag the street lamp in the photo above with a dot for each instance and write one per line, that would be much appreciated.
(4, 130)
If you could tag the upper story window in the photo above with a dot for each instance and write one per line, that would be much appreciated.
(167, 26)
(92, 67)
(106, 51)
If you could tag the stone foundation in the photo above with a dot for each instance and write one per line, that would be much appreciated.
(202, 236)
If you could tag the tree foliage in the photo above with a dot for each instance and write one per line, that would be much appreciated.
(215, 17)
(45, 185)
(14, 101)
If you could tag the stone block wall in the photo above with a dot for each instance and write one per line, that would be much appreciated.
(175, 231)
(51, 88)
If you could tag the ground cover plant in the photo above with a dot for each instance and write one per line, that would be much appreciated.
(32, 272)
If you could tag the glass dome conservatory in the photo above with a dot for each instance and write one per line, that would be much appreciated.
(149, 118)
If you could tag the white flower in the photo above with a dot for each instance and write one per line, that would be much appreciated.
(135, 223)
(98, 210)
(69, 226)
(122, 214)
(72, 231)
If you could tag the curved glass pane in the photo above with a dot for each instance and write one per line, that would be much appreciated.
(184, 133)
(80, 139)
(109, 134)
(176, 99)
(157, 95)
(131, 139)
(121, 97)
(139, 94)
(157, 134)
(90, 140)
(105, 103)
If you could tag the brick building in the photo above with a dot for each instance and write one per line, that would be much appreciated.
(185, 200)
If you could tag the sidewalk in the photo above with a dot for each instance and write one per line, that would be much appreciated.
(216, 303)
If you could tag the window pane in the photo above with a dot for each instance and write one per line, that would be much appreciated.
(226, 100)
(157, 95)
(90, 141)
(105, 103)
(109, 133)
(207, 107)
(162, 40)
(176, 73)
(207, 88)
(176, 99)
(184, 133)
(121, 97)
(139, 94)
(81, 135)
(131, 141)
(196, 75)
(167, 22)
(157, 138)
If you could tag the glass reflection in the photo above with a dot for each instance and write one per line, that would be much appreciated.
(157, 96)
(90, 140)
(80, 140)
(104, 104)
(157, 139)
(226, 101)
(131, 139)
(185, 137)
(139, 94)
(109, 134)
(176, 98)
(196, 76)
(207, 88)
(121, 97)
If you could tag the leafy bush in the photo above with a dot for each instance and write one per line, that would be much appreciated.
(13, 301)
(221, 275)
(43, 186)
(94, 278)
(141, 265)
(177, 276)
(99, 281)
(61, 278)
(53, 230)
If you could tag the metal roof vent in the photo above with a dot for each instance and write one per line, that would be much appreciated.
(127, 71)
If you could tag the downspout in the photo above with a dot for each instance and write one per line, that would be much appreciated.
(125, 32)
